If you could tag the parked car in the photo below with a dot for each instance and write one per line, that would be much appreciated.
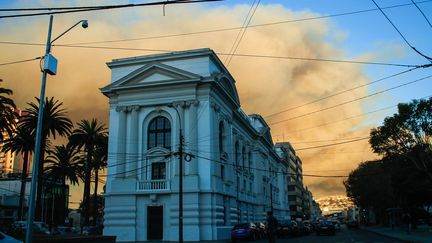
(19, 228)
(262, 230)
(302, 228)
(308, 226)
(336, 224)
(287, 228)
(92, 230)
(244, 231)
(65, 230)
(352, 224)
(4, 238)
(326, 228)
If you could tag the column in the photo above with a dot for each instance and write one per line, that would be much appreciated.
(121, 142)
(191, 127)
(132, 148)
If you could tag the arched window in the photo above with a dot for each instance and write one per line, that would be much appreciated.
(243, 156)
(237, 154)
(159, 133)
(250, 160)
(221, 137)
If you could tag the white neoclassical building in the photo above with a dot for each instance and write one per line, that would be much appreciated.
(232, 171)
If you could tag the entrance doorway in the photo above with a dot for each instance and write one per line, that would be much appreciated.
(154, 222)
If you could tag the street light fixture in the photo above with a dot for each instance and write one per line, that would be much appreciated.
(50, 67)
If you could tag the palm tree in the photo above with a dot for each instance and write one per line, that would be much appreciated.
(54, 123)
(22, 142)
(62, 164)
(7, 114)
(100, 159)
(88, 135)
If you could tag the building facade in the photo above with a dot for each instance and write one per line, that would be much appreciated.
(232, 171)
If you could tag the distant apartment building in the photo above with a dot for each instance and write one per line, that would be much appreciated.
(295, 182)
(11, 164)
(232, 173)
(9, 199)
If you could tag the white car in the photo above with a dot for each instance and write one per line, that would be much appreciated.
(4, 238)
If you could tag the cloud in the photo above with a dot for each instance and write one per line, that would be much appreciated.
(265, 85)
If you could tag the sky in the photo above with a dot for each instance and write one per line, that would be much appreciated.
(266, 85)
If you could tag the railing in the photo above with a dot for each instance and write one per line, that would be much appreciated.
(153, 185)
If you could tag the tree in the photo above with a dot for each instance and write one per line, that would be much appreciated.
(88, 135)
(89, 206)
(62, 164)
(407, 133)
(54, 123)
(23, 142)
(7, 114)
(100, 159)
(369, 186)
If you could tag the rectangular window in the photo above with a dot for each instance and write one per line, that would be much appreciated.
(291, 188)
(158, 171)
(250, 186)
(222, 172)
(244, 185)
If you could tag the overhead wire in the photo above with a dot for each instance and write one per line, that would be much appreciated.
(339, 93)
(243, 33)
(424, 16)
(250, 26)
(21, 61)
(106, 7)
(400, 33)
(351, 101)
(240, 30)
(226, 54)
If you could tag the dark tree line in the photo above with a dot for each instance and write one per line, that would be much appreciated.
(402, 178)
(84, 155)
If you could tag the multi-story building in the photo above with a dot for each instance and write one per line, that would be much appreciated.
(232, 171)
(295, 181)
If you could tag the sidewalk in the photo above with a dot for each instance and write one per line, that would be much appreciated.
(421, 234)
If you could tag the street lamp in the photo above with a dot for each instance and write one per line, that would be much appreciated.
(180, 153)
(50, 67)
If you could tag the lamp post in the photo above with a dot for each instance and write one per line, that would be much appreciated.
(180, 153)
(50, 67)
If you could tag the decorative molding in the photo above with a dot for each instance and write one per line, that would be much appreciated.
(121, 109)
(189, 103)
(215, 106)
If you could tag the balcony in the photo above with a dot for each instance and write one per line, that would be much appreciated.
(153, 185)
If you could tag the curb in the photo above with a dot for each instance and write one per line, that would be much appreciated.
(391, 237)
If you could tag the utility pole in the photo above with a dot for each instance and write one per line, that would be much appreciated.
(180, 153)
(181, 186)
(32, 204)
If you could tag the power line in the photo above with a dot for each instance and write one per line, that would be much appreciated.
(238, 34)
(419, 9)
(87, 9)
(345, 119)
(350, 101)
(332, 144)
(21, 61)
(338, 93)
(244, 31)
(250, 26)
(227, 54)
(400, 33)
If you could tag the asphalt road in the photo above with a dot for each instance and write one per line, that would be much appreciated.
(344, 236)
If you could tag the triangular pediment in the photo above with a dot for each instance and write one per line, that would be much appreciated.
(153, 73)
(229, 87)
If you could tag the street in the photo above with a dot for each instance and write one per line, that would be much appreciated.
(344, 236)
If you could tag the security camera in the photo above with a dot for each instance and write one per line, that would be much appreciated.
(84, 24)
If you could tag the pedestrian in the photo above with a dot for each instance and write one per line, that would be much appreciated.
(271, 227)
